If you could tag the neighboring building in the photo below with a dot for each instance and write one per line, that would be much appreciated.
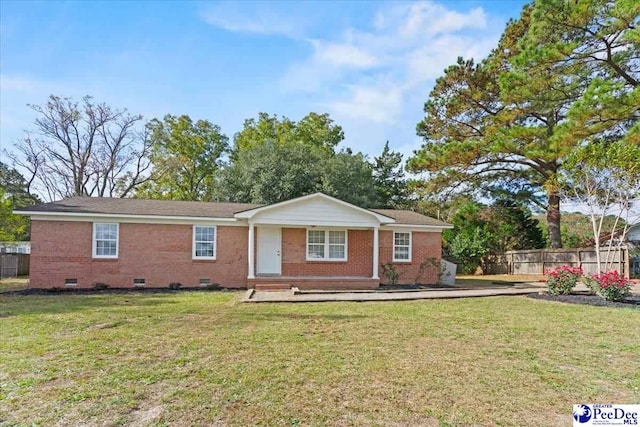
(633, 236)
(15, 247)
(313, 242)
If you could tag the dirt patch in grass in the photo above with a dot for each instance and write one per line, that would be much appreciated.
(595, 300)
(12, 284)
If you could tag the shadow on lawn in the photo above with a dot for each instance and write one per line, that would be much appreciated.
(12, 304)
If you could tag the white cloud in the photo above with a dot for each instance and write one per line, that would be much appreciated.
(232, 17)
(380, 75)
(377, 104)
(337, 55)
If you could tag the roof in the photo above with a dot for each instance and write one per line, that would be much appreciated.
(174, 208)
(114, 206)
(410, 217)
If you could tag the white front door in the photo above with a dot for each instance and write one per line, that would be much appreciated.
(269, 248)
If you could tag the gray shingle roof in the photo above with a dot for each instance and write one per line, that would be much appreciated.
(99, 205)
(410, 217)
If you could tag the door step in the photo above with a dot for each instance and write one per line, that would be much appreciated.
(273, 287)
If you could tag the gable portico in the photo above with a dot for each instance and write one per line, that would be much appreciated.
(328, 225)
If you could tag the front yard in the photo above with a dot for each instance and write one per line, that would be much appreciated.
(203, 358)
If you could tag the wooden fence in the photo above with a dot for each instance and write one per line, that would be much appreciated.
(13, 265)
(538, 261)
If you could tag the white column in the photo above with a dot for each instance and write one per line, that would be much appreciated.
(376, 249)
(252, 270)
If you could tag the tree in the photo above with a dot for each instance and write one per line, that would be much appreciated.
(390, 182)
(13, 195)
(482, 230)
(271, 172)
(605, 178)
(349, 177)
(186, 157)
(603, 37)
(83, 149)
(313, 130)
(500, 126)
(512, 227)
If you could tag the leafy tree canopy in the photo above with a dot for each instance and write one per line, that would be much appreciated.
(313, 130)
(13, 194)
(186, 157)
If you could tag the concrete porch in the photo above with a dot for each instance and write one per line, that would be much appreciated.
(317, 282)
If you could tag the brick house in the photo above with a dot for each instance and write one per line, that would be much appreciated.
(313, 242)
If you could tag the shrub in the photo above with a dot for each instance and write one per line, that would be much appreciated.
(213, 286)
(610, 286)
(561, 280)
(390, 272)
(99, 286)
(175, 285)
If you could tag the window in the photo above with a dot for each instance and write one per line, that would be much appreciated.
(204, 242)
(139, 282)
(402, 246)
(105, 240)
(326, 245)
(70, 282)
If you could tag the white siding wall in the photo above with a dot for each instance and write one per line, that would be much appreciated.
(316, 211)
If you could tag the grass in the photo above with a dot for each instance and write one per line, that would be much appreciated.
(203, 358)
(14, 284)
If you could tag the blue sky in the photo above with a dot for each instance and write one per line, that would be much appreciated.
(370, 65)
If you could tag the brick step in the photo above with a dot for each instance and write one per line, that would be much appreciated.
(273, 287)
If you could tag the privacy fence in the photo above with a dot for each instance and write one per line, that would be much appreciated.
(537, 261)
(13, 265)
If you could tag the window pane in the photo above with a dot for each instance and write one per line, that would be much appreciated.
(316, 236)
(205, 234)
(336, 237)
(401, 252)
(204, 249)
(106, 231)
(106, 247)
(316, 251)
(402, 239)
(336, 251)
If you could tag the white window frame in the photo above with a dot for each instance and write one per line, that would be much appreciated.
(95, 241)
(402, 246)
(326, 245)
(215, 242)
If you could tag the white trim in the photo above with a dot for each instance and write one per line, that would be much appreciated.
(146, 219)
(376, 253)
(326, 245)
(251, 212)
(402, 246)
(193, 242)
(251, 252)
(417, 227)
(94, 242)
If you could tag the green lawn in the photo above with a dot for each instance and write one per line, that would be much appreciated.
(204, 358)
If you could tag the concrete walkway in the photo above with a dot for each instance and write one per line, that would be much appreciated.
(295, 295)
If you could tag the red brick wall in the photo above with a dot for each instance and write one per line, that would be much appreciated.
(359, 257)
(423, 245)
(159, 253)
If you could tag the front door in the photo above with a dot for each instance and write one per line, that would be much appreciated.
(269, 248)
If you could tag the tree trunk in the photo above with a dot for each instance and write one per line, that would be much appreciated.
(553, 220)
